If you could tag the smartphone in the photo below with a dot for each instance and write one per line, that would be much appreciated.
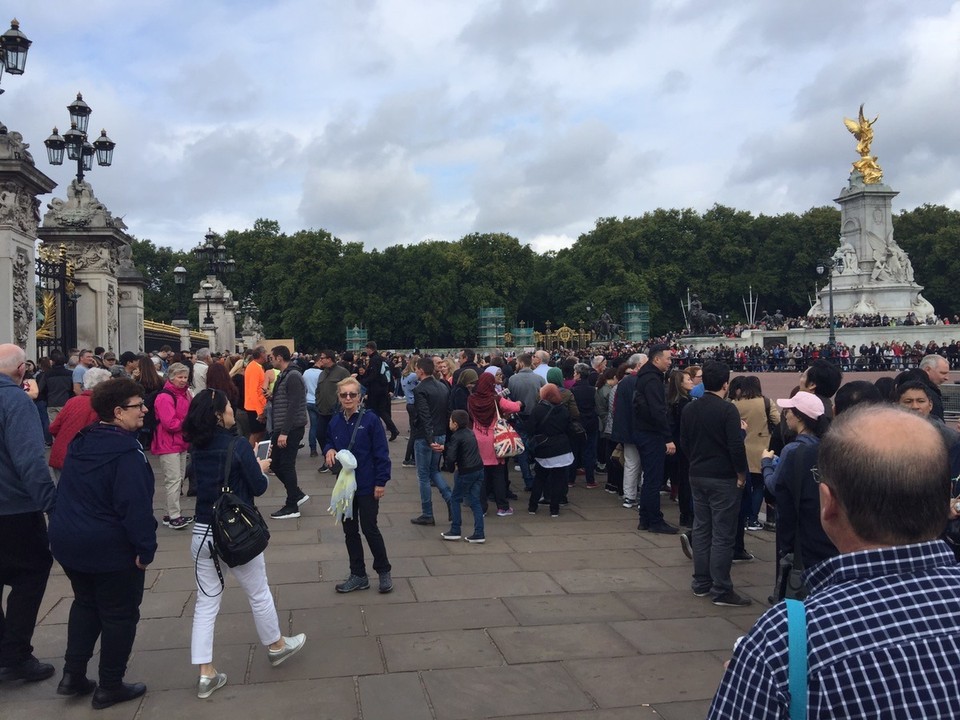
(263, 450)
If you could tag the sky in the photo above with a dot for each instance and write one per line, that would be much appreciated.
(394, 121)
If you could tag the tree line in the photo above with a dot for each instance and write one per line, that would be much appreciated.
(310, 285)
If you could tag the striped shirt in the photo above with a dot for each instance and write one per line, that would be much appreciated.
(883, 641)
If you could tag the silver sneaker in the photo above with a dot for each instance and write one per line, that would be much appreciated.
(291, 646)
(209, 685)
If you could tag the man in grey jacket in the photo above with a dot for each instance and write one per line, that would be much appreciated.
(524, 386)
(26, 492)
(289, 401)
(429, 428)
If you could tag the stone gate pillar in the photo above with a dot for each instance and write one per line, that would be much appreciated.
(223, 309)
(95, 243)
(20, 184)
(131, 286)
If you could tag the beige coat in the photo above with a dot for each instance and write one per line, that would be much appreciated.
(758, 434)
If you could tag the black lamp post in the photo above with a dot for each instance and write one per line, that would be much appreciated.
(214, 255)
(74, 141)
(180, 278)
(13, 50)
(833, 266)
(207, 288)
(250, 308)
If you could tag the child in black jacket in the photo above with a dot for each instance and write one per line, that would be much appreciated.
(461, 452)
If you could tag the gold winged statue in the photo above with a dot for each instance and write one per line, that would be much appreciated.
(862, 130)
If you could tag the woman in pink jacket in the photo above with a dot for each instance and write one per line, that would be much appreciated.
(170, 409)
(482, 406)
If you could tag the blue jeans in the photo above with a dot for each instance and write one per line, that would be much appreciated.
(525, 458)
(428, 470)
(467, 485)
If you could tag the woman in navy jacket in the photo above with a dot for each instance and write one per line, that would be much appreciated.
(103, 533)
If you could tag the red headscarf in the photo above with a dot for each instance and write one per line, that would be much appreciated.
(482, 404)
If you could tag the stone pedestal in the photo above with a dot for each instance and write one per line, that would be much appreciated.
(877, 277)
(20, 184)
(131, 285)
(223, 309)
(184, 326)
(211, 333)
(98, 247)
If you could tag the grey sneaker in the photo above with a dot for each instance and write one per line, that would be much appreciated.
(209, 685)
(386, 582)
(291, 646)
(686, 546)
(354, 582)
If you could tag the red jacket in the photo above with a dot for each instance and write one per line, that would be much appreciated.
(73, 418)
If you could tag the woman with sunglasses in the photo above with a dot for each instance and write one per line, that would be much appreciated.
(208, 428)
(362, 433)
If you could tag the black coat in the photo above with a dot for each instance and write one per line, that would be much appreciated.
(549, 430)
(429, 409)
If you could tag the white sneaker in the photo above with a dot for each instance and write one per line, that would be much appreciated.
(291, 646)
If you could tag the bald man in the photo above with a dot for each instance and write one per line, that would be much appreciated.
(26, 492)
(882, 627)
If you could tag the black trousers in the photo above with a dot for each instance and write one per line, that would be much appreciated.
(25, 563)
(550, 483)
(283, 462)
(365, 510)
(380, 404)
(105, 606)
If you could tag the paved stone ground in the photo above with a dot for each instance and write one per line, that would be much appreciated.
(571, 618)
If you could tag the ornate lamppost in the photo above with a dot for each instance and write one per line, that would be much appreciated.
(214, 256)
(13, 50)
(207, 288)
(833, 266)
(74, 141)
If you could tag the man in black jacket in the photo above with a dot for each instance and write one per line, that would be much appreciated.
(653, 437)
(378, 389)
(56, 385)
(429, 428)
(711, 437)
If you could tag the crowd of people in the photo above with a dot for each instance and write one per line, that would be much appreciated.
(649, 423)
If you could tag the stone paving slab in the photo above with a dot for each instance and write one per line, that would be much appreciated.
(319, 595)
(591, 580)
(548, 643)
(673, 604)
(470, 565)
(435, 650)
(577, 541)
(333, 699)
(648, 679)
(680, 635)
(581, 560)
(326, 624)
(165, 669)
(438, 615)
(393, 696)
(462, 587)
(401, 567)
(503, 692)
(346, 657)
(569, 609)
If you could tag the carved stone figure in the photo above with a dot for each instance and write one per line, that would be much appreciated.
(848, 254)
(19, 208)
(81, 209)
(700, 320)
(22, 307)
(12, 146)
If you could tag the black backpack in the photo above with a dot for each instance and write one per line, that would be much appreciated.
(238, 530)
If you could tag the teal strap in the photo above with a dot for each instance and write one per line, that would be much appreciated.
(797, 628)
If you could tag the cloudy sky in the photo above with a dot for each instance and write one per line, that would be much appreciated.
(393, 121)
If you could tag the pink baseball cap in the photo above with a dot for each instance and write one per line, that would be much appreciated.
(807, 403)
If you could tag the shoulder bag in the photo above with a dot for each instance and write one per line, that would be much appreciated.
(506, 440)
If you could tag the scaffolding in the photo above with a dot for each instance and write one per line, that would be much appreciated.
(636, 322)
(522, 336)
(356, 338)
(491, 323)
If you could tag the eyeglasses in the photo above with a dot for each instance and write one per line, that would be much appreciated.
(141, 405)
(349, 394)
(818, 477)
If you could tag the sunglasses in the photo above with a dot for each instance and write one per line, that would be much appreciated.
(349, 394)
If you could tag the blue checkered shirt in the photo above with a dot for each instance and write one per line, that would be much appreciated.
(883, 641)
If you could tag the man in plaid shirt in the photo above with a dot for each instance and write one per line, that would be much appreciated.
(883, 620)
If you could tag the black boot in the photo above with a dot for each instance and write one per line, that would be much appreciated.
(75, 684)
(104, 697)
